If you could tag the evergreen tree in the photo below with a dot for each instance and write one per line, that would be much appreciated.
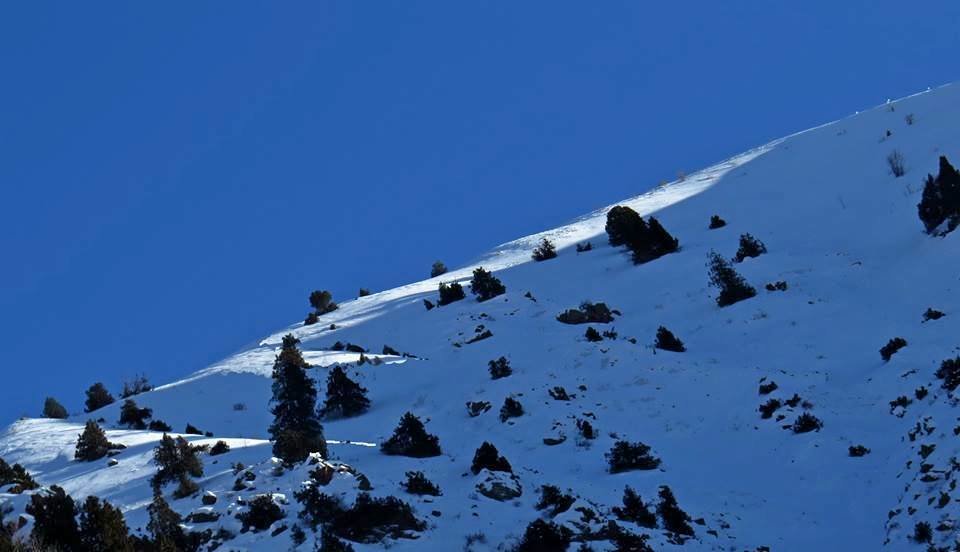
(53, 409)
(176, 460)
(449, 293)
(485, 285)
(322, 302)
(330, 543)
(623, 225)
(54, 519)
(164, 525)
(134, 417)
(635, 510)
(733, 287)
(17, 476)
(500, 368)
(296, 430)
(92, 444)
(675, 520)
(546, 250)
(103, 528)
(941, 198)
(97, 397)
(345, 397)
(410, 438)
(668, 342)
(438, 269)
(749, 247)
(487, 457)
(654, 243)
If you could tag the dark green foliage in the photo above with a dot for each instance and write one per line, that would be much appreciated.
(717, 222)
(488, 457)
(220, 447)
(318, 507)
(949, 372)
(634, 510)
(322, 302)
(749, 247)
(627, 456)
(623, 224)
(311, 319)
(297, 536)
(500, 368)
(134, 417)
(920, 392)
(164, 526)
(768, 408)
(623, 540)
(932, 314)
(296, 431)
(647, 240)
(410, 438)
(92, 444)
(16, 476)
(941, 198)
(858, 450)
(546, 250)
(190, 429)
(767, 388)
(363, 292)
(586, 429)
(733, 288)
(438, 269)
(53, 409)
(55, 524)
(97, 397)
(102, 528)
(176, 460)
(345, 397)
(592, 335)
(511, 409)
(922, 532)
(806, 423)
(330, 543)
(597, 313)
(892, 346)
(450, 293)
(159, 425)
(135, 386)
(485, 285)
(674, 519)
(554, 500)
(369, 520)
(544, 536)
(584, 247)
(476, 408)
(558, 393)
(418, 484)
(261, 513)
(668, 342)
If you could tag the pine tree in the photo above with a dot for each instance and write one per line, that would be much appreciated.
(176, 460)
(668, 342)
(545, 251)
(485, 285)
(296, 430)
(733, 287)
(487, 457)
(54, 519)
(410, 438)
(623, 225)
(941, 198)
(749, 247)
(134, 417)
(92, 444)
(164, 525)
(654, 243)
(675, 520)
(438, 269)
(322, 302)
(53, 409)
(635, 510)
(97, 397)
(345, 397)
(449, 293)
(102, 527)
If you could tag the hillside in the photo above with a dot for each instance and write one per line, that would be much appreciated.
(840, 230)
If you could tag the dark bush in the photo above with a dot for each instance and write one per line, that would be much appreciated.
(53, 409)
(623, 225)
(922, 532)
(932, 314)
(949, 372)
(322, 302)
(485, 285)
(668, 342)
(54, 519)
(418, 484)
(363, 292)
(318, 507)
(132, 416)
(941, 199)
(296, 431)
(717, 222)
(768, 408)
(584, 247)
(437, 269)
(626, 456)
(892, 347)
(767, 388)
(545, 251)
(647, 240)
(586, 429)
(176, 459)
(220, 447)
(97, 397)
(733, 288)
(164, 526)
(16, 476)
(544, 536)
(450, 293)
(511, 409)
(369, 519)
(476, 408)
(137, 385)
(597, 313)
(674, 519)
(488, 457)
(554, 500)
(592, 335)
(777, 286)
(858, 450)
(330, 543)
(749, 247)
(793, 401)
(102, 527)
(190, 429)
(634, 510)
(261, 513)
(920, 392)
(345, 397)
(92, 444)
(806, 423)
(500, 368)
(559, 394)
(410, 438)
(159, 425)
(895, 162)
(311, 319)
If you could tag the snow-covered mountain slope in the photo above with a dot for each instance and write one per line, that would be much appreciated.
(841, 230)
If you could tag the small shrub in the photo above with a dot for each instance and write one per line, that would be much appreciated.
(717, 222)
(857, 451)
(554, 501)
(749, 247)
(920, 392)
(438, 269)
(137, 385)
(909, 119)
(674, 519)
(97, 397)
(892, 346)
(330, 543)
(767, 388)
(261, 513)
(132, 416)
(932, 314)
(922, 532)
(768, 408)
(592, 335)
(369, 520)
(410, 438)
(191, 429)
(311, 319)
(485, 285)
(806, 423)
(626, 456)
(322, 302)
(53, 409)
(584, 247)
(586, 429)
(542, 536)
(949, 372)
(345, 397)
(16, 476)
(487, 457)
(511, 409)
(793, 401)
(895, 162)
(500, 368)
(450, 293)
(220, 447)
(634, 510)
(545, 251)
(418, 484)
(363, 292)
(239, 407)
(777, 286)
(668, 342)
(159, 425)
(733, 288)
(597, 313)
(559, 394)
(476, 408)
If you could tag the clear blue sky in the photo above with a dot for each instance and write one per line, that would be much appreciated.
(176, 178)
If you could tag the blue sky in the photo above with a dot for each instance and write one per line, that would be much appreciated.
(176, 179)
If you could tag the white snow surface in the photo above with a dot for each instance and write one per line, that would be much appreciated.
(841, 230)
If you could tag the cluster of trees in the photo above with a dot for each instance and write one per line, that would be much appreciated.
(322, 303)
(646, 239)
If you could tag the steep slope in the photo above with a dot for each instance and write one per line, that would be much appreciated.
(841, 230)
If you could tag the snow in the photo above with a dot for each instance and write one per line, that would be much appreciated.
(841, 231)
